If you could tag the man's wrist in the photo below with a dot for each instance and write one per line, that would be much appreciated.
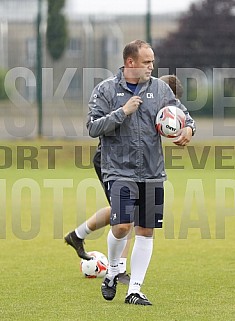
(192, 128)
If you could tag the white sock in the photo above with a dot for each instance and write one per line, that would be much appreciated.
(115, 249)
(122, 264)
(140, 258)
(82, 230)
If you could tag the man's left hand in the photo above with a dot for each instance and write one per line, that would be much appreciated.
(184, 136)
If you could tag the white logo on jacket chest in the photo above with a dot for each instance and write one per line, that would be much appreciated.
(120, 94)
(149, 95)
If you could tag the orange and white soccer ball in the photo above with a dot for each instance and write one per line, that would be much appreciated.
(95, 268)
(169, 121)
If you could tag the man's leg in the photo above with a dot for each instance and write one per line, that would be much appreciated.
(116, 243)
(140, 258)
(98, 220)
(76, 238)
(123, 276)
(123, 203)
(150, 216)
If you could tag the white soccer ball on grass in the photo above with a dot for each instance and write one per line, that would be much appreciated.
(95, 268)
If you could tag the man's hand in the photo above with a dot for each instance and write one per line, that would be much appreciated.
(184, 136)
(132, 105)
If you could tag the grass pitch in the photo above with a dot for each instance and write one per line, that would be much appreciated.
(192, 271)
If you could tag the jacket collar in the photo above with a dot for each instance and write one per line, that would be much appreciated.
(122, 81)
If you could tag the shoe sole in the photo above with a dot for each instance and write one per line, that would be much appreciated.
(138, 303)
(136, 300)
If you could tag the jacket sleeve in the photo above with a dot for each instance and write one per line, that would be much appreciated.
(189, 122)
(102, 120)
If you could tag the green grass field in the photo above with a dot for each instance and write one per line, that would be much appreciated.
(192, 271)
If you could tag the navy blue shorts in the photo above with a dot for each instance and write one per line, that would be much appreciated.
(138, 202)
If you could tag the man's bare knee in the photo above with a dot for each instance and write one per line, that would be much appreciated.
(121, 230)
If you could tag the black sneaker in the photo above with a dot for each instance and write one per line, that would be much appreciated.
(124, 278)
(77, 244)
(137, 298)
(108, 287)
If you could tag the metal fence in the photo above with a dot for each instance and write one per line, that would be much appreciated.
(94, 50)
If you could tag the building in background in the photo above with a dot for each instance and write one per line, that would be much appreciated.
(94, 41)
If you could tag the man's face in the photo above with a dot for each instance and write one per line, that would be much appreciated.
(144, 64)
